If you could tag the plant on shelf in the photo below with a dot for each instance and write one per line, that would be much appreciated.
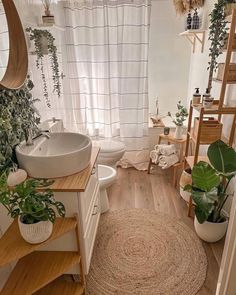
(179, 119)
(217, 36)
(183, 6)
(40, 38)
(34, 209)
(47, 18)
(209, 190)
(17, 115)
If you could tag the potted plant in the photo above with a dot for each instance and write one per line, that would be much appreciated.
(179, 119)
(217, 35)
(34, 209)
(44, 44)
(209, 191)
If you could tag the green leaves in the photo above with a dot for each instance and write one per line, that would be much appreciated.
(204, 177)
(222, 158)
(24, 200)
(180, 116)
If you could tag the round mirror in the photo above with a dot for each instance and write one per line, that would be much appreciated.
(13, 50)
(4, 41)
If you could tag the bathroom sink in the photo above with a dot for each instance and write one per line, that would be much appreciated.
(61, 154)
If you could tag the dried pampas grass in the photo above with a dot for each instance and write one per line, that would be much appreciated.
(183, 6)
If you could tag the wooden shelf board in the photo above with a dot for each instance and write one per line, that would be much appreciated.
(215, 109)
(14, 247)
(190, 160)
(191, 32)
(220, 81)
(78, 181)
(59, 286)
(38, 269)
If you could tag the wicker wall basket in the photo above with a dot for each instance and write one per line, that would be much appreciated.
(35, 233)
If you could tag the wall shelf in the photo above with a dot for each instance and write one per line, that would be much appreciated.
(193, 36)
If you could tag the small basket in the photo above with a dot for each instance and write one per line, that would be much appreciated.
(211, 130)
(231, 72)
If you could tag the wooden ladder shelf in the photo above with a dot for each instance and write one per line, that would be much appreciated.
(217, 110)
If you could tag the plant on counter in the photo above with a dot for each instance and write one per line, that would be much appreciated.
(34, 209)
(40, 38)
(179, 119)
(209, 190)
(217, 35)
(17, 114)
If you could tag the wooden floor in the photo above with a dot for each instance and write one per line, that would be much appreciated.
(137, 189)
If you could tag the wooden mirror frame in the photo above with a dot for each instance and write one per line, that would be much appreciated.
(17, 67)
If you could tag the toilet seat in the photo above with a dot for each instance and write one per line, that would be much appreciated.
(110, 146)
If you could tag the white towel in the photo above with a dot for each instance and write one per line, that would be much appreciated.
(154, 155)
(166, 149)
(167, 161)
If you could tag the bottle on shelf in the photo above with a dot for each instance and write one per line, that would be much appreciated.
(195, 20)
(207, 99)
(196, 97)
(189, 21)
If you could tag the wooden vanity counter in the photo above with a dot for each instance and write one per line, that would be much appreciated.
(75, 182)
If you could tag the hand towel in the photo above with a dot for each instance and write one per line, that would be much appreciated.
(167, 161)
(166, 149)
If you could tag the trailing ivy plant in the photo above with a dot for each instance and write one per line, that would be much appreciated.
(217, 35)
(37, 35)
(17, 115)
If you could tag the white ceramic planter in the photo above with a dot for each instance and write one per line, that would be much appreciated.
(178, 132)
(37, 232)
(185, 179)
(209, 231)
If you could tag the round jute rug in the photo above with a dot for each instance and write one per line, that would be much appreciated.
(145, 252)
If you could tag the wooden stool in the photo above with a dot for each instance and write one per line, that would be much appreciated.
(171, 140)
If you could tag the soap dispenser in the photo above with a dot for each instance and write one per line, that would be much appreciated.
(207, 99)
(196, 97)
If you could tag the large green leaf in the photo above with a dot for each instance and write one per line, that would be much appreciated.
(204, 177)
(222, 158)
(205, 203)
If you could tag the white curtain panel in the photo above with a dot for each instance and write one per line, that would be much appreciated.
(107, 83)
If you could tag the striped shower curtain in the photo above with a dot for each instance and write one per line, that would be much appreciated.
(107, 83)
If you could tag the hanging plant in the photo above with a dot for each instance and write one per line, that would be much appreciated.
(39, 37)
(217, 35)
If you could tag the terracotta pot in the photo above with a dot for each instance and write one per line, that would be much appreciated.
(210, 232)
(35, 233)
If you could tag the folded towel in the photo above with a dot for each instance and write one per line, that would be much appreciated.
(167, 161)
(166, 149)
(154, 155)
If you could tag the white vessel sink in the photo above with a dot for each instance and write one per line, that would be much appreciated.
(60, 155)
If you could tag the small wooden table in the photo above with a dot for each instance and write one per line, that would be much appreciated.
(171, 140)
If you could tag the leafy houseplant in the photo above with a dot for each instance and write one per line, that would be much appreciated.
(17, 115)
(209, 189)
(34, 208)
(217, 36)
(38, 36)
(179, 119)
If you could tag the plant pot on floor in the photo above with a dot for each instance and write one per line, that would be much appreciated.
(35, 233)
(210, 232)
(178, 132)
(185, 178)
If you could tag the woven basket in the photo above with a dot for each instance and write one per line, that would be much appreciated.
(35, 233)
(231, 72)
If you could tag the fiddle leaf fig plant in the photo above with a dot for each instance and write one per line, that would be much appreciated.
(210, 182)
(17, 115)
(26, 201)
(37, 36)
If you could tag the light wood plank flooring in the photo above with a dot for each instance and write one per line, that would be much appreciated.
(137, 189)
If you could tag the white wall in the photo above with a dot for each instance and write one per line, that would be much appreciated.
(169, 57)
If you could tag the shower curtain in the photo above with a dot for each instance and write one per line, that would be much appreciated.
(107, 83)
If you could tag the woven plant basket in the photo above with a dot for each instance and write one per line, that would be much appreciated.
(35, 233)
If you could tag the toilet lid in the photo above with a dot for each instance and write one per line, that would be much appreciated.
(109, 146)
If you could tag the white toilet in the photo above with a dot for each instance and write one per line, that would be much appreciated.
(106, 176)
(110, 152)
